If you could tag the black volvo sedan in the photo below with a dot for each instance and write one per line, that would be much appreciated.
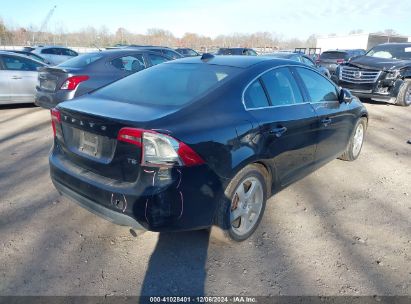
(199, 142)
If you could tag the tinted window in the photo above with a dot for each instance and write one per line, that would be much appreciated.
(282, 87)
(19, 64)
(308, 61)
(157, 59)
(255, 97)
(82, 60)
(252, 53)
(67, 52)
(171, 54)
(130, 63)
(191, 52)
(49, 51)
(168, 84)
(319, 88)
(295, 58)
(333, 55)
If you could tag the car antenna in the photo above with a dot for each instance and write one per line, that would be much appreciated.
(206, 57)
(95, 45)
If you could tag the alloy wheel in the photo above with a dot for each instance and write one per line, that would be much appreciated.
(246, 206)
(358, 140)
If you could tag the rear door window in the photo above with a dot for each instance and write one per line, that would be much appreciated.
(131, 63)
(157, 59)
(282, 87)
(318, 87)
(255, 97)
(68, 52)
(19, 64)
(49, 51)
(171, 54)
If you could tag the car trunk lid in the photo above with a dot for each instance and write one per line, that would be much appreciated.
(89, 135)
(52, 78)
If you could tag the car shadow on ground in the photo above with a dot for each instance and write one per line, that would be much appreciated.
(177, 265)
(17, 106)
(375, 102)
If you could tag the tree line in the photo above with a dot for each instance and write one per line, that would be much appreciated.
(102, 37)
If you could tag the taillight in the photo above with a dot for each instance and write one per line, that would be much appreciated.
(72, 82)
(340, 61)
(160, 149)
(55, 120)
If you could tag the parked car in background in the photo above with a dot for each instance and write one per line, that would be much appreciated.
(143, 152)
(383, 74)
(18, 78)
(55, 54)
(236, 51)
(31, 55)
(187, 52)
(331, 59)
(169, 52)
(300, 58)
(87, 72)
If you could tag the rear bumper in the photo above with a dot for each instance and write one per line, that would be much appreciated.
(49, 100)
(110, 215)
(173, 200)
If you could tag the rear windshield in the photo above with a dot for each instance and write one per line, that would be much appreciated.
(168, 84)
(81, 61)
(391, 51)
(230, 52)
(334, 55)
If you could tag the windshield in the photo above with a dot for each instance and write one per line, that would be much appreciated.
(171, 84)
(391, 51)
(81, 61)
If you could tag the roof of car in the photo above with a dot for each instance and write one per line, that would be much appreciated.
(284, 54)
(233, 61)
(19, 55)
(122, 51)
(397, 43)
(50, 46)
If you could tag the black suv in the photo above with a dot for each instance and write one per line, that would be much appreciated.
(382, 74)
(331, 59)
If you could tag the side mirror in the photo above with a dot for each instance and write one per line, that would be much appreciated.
(345, 96)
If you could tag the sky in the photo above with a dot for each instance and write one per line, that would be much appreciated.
(287, 18)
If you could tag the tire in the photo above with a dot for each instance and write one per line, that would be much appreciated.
(404, 95)
(243, 204)
(356, 141)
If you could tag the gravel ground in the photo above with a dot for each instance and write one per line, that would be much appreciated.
(343, 230)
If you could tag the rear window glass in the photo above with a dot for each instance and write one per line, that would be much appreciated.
(168, 84)
(333, 55)
(81, 61)
(255, 97)
(230, 52)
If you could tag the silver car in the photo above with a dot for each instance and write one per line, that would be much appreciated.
(18, 78)
(55, 54)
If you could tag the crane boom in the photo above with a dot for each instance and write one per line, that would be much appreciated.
(46, 20)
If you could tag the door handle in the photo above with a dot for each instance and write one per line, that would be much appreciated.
(15, 77)
(278, 131)
(326, 121)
